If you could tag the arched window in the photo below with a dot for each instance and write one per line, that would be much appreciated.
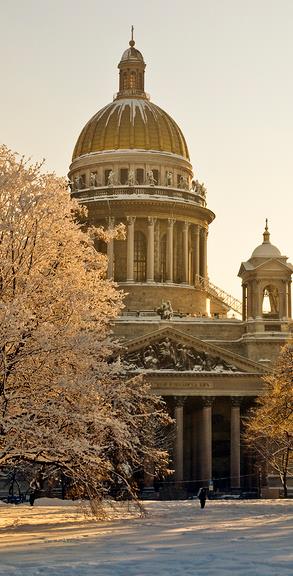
(132, 80)
(163, 258)
(270, 301)
(139, 257)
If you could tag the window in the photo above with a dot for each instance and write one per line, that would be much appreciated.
(124, 176)
(270, 301)
(156, 176)
(82, 181)
(132, 80)
(107, 172)
(140, 175)
(139, 257)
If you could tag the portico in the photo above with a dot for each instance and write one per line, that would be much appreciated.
(208, 391)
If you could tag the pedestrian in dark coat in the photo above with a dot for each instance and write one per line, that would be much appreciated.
(202, 496)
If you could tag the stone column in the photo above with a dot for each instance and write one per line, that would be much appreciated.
(110, 250)
(257, 299)
(206, 439)
(249, 301)
(178, 456)
(197, 251)
(204, 253)
(151, 250)
(185, 252)
(235, 442)
(157, 251)
(170, 250)
(130, 248)
(194, 444)
(244, 302)
(284, 300)
(289, 300)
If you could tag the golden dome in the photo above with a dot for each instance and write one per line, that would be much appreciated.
(131, 124)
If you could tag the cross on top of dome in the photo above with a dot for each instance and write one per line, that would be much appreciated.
(132, 42)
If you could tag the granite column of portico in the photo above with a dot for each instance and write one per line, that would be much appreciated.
(178, 456)
(235, 442)
(206, 439)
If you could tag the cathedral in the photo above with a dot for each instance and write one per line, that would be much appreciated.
(201, 349)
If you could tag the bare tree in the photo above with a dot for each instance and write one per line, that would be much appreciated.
(269, 429)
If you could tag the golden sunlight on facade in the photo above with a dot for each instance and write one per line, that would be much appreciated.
(203, 350)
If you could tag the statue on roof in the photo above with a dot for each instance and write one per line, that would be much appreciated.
(150, 178)
(110, 180)
(131, 178)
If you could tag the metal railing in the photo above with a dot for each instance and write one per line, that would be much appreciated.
(218, 293)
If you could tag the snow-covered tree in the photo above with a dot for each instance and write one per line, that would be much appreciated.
(63, 399)
(269, 429)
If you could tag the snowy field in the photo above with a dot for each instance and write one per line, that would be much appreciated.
(239, 538)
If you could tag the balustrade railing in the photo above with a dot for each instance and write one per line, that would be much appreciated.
(153, 191)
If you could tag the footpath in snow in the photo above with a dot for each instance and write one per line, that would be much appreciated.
(227, 538)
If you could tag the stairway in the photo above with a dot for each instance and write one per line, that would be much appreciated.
(218, 294)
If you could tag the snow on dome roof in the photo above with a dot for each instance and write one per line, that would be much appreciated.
(130, 123)
(132, 54)
(266, 250)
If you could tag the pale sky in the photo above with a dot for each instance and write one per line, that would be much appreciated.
(221, 68)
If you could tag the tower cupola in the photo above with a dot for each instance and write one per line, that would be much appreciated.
(266, 283)
(131, 72)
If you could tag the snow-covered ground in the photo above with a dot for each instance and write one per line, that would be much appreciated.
(227, 538)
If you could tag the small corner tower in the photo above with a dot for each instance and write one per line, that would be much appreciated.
(266, 283)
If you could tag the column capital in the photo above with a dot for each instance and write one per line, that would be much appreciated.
(130, 219)
(151, 221)
(171, 222)
(179, 401)
(207, 401)
(236, 401)
(185, 225)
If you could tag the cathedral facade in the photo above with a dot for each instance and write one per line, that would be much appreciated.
(131, 164)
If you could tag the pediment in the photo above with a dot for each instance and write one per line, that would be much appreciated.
(272, 264)
(275, 264)
(172, 350)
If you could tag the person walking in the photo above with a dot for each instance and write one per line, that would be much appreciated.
(202, 496)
